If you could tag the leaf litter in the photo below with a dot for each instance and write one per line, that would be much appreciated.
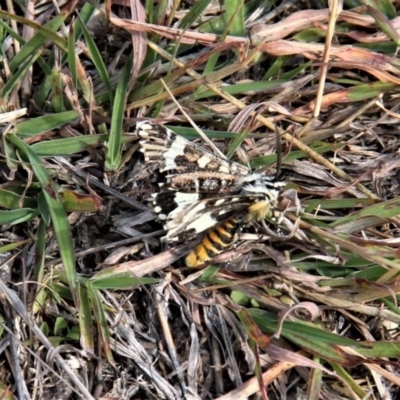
(120, 316)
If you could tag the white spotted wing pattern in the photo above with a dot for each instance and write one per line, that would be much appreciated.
(204, 193)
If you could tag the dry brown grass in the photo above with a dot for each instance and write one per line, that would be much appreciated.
(94, 307)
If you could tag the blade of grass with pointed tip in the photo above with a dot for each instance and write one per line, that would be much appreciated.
(18, 76)
(68, 146)
(385, 7)
(190, 133)
(328, 204)
(109, 279)
(386, 209)
(9, 154)
(240, 88)
(324, 344)
(44, 209)
(100, 317)
(47, 123)
(235, 144)
(113, 156)
(58, 215)
(318, 147)
(276, 68)
(15, 217)
(12, 246)
(71, 54)
(86, 339)
(44, 33)
(366, 91)
(40, 97)
(321, 342)
(97, 59)
(356, 388)
(194, 13)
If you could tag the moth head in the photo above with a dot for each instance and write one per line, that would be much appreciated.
(266, 191)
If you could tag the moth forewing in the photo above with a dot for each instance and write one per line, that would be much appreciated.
(202, 215)
(177, 153)
(204, 193)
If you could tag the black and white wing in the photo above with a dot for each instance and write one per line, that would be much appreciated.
(171, 152)
(191, 218)
(202, 190)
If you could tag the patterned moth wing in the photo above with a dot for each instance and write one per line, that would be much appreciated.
(204, 193)
(171, 152)
(191, 173)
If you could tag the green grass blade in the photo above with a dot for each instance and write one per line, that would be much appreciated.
(68, 146)
(236, 143)
(113, 157)
(100, 317)
(45, 32)
(194, 13)
(85, 318)
(71, 55)
(47, 123)
(40, 252)
(15, 217)
(97, 59)
(386, 209)
(235, 17)
(56, 209)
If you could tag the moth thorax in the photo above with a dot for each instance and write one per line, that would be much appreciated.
(258, 211)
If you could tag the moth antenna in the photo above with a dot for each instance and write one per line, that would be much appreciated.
(278, 154)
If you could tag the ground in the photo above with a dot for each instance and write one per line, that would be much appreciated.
(95, 305)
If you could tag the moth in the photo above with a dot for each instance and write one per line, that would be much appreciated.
(204, 194)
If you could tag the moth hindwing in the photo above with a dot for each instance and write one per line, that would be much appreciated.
(204, 193)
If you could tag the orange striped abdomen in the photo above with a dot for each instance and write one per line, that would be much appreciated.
(215, 241)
